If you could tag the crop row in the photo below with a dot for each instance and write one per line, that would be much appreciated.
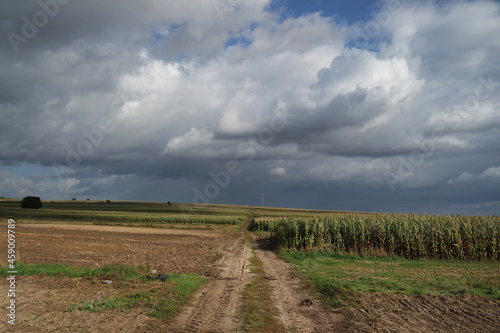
(409, 236)
(129, 218)
(263, 225)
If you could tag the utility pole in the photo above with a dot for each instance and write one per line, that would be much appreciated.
(262, 201)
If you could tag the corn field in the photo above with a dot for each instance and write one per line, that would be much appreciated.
(409, 236)
(263, 225)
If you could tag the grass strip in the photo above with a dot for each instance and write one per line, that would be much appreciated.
(162, 303)
(335, 275)
(258, 311)
(114, 270)
(159, 299)
(257, 306)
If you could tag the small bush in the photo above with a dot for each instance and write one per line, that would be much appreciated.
(31, 202)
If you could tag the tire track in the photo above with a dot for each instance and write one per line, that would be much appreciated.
(216, 306)
(422, 313)
(299, 310)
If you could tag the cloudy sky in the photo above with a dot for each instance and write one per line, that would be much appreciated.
(389, 106)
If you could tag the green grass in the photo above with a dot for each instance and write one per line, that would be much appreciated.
(115, 270)
(335, 275)
(49, 270)
(186, 284)
(159, 302)
(106, 304)
(257, 308)
(258, 311)
(163, 303)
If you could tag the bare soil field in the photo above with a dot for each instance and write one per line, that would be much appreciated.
(223, 258)
(170, 250)
(419, 313)
(43, 301)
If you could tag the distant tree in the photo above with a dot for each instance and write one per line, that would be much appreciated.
(31, 202)
(73, 199)
(88, 199)
(108, 201)
(169, 203)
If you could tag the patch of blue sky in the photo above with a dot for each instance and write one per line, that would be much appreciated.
(239, 38)
(159, 44)
(351, 11)
(160, 34)
(362, 41)
(240, 41)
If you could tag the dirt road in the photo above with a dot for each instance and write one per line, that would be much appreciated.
(216, 307)
(300, 310)
(222, 257)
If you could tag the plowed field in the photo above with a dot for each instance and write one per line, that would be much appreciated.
(222, 257)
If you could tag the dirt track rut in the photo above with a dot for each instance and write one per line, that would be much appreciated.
(299, 310)
(216, 307)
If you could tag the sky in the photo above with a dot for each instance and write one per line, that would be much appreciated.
(382, 106)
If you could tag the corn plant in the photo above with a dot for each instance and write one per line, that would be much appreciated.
(409, 236)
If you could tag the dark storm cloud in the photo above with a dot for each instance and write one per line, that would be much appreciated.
(147, 100)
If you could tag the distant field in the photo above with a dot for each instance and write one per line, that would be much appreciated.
(410, 236)
(276, 214)
(122, 213)
(152, 214)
